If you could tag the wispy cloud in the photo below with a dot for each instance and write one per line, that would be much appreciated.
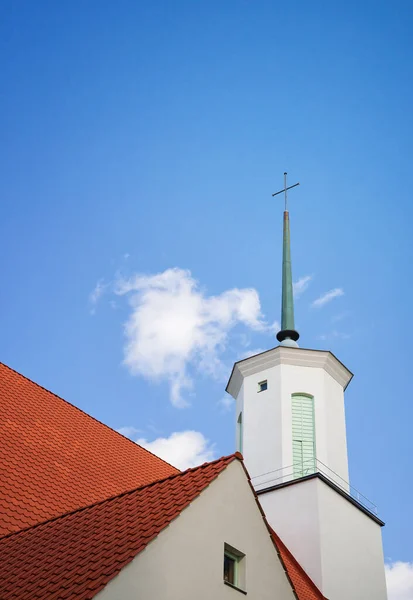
(300, 286)
(399, 578)
(340, 335)
(340, 316)
(251, 352)
(327, 297)
(96, 294)
(129, 431)
(174, 327)
(182, 449)
(226, 403)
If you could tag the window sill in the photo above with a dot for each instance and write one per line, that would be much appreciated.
(234, 587)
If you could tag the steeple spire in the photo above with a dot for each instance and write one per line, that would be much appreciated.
(288, 336)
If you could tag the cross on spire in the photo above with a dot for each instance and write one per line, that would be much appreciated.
(285, 190)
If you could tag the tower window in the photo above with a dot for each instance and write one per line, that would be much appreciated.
(262, 386)
(304, 454)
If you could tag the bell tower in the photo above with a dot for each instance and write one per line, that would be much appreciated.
(291, 430)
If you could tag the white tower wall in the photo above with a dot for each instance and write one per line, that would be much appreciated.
(334, 538)
(267, 415)
(338, 545)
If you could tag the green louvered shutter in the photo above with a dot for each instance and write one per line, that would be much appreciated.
(303, 435)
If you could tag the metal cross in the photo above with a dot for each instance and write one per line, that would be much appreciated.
(285, 190)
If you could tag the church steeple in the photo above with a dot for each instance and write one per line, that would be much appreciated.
(288, 336)
(291, 429)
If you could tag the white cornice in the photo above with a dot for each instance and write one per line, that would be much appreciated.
(300, 357)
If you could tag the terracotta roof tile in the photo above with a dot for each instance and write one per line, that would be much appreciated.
(55, 458)
(77, 554)
(303, 586)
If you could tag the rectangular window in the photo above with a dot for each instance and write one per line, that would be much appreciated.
(230, 565)
(302, 409)
(262, 386)
(234, 567)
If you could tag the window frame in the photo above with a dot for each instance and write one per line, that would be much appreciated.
(264, 382)
(238, 559)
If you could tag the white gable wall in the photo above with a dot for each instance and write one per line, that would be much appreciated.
(186, 560)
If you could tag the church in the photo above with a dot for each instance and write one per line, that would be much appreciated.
(87, 513)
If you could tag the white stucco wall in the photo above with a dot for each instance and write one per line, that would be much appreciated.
(336, 457)
(337, 544)
(267, 422)
(186, 560)
(293, 512)
(263, 424)
(353, 541)
(239, 408)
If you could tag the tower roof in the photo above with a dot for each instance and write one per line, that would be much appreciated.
(304, 357)
(288, 336)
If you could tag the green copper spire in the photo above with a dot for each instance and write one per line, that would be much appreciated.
(288, 336)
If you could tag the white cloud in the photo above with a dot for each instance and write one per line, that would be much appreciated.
(328, 297)
(182, 449)
(252, 352)
(128, 431)
(337, 335)
(173, 325)
(95, 295)
(399, 578)
(300, 286)
(340, 316)
(226, 403)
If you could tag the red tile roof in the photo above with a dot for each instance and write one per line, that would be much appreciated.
(303, 586)
(76, 555)
(54, 458)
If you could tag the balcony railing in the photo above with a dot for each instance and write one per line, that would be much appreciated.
(308, 467)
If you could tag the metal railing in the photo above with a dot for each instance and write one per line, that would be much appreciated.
(308, 467)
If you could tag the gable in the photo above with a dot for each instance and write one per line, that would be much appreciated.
(75, 555)
(186, 559)
(55, 458)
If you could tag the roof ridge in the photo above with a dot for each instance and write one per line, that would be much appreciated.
(83, 412)
(229, 458)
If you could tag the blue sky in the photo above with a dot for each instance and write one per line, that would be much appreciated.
(140, 137)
